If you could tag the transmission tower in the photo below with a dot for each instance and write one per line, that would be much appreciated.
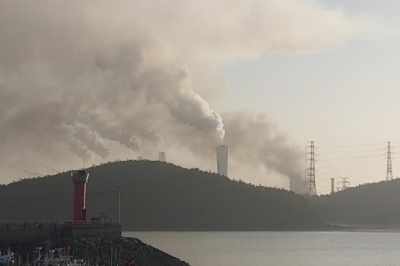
(312, 190)
(344, 184)
(389, 173)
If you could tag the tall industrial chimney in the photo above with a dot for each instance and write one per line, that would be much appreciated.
(80, 178)
(222, 160)
(161, 156)
(332, 185)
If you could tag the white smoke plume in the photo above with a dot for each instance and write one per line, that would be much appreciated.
(81, 76)
(257, 140)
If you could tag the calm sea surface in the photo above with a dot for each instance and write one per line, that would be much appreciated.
(277, 248)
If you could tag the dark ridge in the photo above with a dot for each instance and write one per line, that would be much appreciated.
(161, 196)
(369, 204)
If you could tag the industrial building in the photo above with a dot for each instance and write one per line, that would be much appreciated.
(162, 156)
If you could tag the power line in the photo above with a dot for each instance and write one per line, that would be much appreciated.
(364, 167)
(327, 164)
(357, 165)
(356, 145)
(350, 164)
(356, 157)
(361, 159)
(350, 151)
(357, 160)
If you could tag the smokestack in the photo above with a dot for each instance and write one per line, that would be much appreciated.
(332, 185)
(161, 156)
(222, 160)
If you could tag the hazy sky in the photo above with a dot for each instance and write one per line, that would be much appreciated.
(106, 81)
(344, 98)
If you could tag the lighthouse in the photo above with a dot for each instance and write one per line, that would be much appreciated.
(80, 178)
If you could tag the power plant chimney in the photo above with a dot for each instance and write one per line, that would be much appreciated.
(332, 185)
(222, 160)
(161, 156)
(80, 178)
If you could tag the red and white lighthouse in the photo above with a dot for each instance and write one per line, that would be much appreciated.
(80, 178)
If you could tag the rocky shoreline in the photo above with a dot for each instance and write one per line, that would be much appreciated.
(103, 251)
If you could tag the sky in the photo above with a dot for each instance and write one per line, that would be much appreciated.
(113, 81)
(343, 98)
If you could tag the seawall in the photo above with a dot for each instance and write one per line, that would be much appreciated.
(102, 251)
(16, 232)
(95, 243)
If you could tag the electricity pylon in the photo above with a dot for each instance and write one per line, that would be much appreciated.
(344, 183)
(389, 173)
(312, 190)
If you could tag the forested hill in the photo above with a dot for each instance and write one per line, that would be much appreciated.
(372, 204)
(161, 196)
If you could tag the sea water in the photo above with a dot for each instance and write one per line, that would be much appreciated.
(277, 248)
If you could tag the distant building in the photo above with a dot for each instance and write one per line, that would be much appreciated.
(162, 157)
(222, 160)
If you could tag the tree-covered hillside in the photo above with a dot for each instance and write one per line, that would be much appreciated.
(371, 204)
(161, 196)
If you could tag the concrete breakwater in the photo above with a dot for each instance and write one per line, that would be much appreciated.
(102, 251)
(14, 232)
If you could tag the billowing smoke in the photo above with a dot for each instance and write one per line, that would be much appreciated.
(256, 140)
(82, 76)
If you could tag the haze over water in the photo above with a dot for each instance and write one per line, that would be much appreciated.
(277, 248)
